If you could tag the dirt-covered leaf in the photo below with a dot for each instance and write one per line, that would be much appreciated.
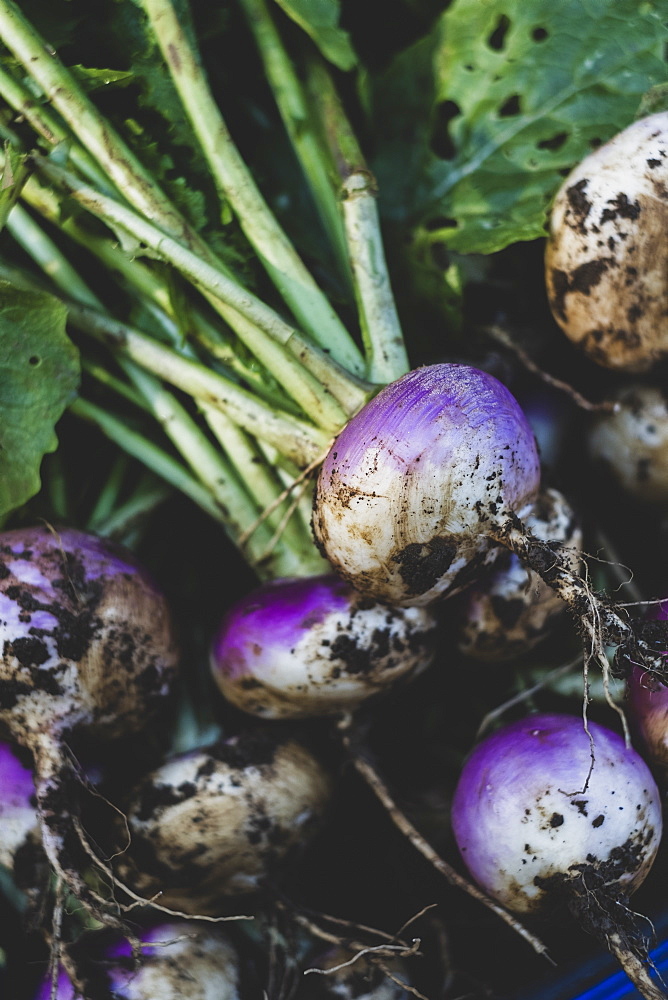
(320, 19)
(480, 120)
(39, 376)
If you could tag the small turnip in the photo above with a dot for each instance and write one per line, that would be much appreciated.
(177, 960)
(544, 817)
(315, 646)
(632, 442)
(647, 700)
(606, 261)
(218, 822)
(87, 648)
(513, 609)
(407, 491)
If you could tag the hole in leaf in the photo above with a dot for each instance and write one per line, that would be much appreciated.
(595, 143)
(510, 107)
(555, 142)
(34, 360)
(539, 34)
(440, 255)
(498, 37)
(441, 142)
(440, 222)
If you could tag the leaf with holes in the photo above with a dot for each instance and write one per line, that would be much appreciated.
(518, 94)
(39, 376)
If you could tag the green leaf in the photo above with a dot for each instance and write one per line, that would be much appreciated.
(516, 95)
(94, 79)
(13, 176)
(320, 20)
(39, 376)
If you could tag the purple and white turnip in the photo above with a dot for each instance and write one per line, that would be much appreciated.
(547, 815)
(178, 959)
(87, 648)
(315, 646)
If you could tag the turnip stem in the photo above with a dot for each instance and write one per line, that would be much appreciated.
(148, 453)
(236, 185)
(94, 133)
(293, 438)
(46, 124)
(280, 347)
(381, 330)
(293, 107)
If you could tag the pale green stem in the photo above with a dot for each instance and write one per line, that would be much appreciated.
(149, 454)
(45, 123)
(95, 134)
(123, 516)
(265, 486)
(48, 256)
(149, 287)
(105, 377)
(381, 331)
(292, 104)
(205, 460)
(299, 441)
(281, 348)
(97, 137)
(235, 182)
(108, 498)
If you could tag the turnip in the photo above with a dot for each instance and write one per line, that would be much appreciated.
(606, 265)
(513, 609)
(632, 442)
(546, 813)
(422, 484)
(87, 648)
(315, 646)
(220, 821)
(407, 491)
(648, 706)
(178, 960)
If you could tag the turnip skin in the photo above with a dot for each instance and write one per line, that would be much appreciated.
(632, 442)
(218, 822)
(513, 609)
(405, 492)
(606, 260)
(648, 707)
(314, 646)
(526, 817)
(88, 647)
(178, 960)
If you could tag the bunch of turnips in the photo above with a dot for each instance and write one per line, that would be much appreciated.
(399, 526)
